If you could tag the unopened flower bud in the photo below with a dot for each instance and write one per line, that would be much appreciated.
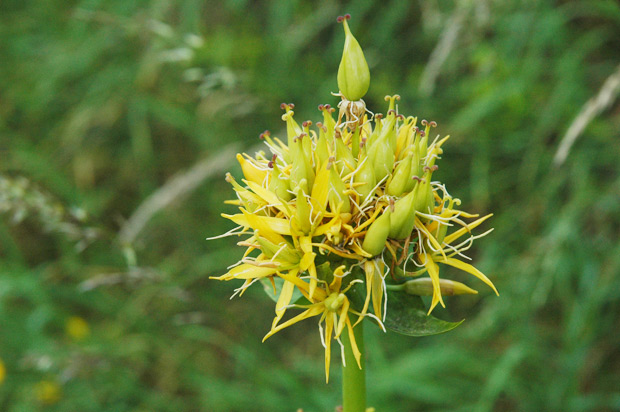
(250, 171)
(302, 211)
(403, 217)
(374, 241)
(337, 191)
(401, 177)
(353, 72)
(283, 250)
(277, 184)
(365, 176)
(424, 287)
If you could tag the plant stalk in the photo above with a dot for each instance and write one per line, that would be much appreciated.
(354, 378)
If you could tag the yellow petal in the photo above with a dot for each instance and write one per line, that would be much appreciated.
(356, 351)
(283, 301)
(320, 189)
(377, 291)
(433, 272)
(247, 271)
(429, 236)
(308, 313)
(470, 269)
(269, 197)
(467, 229)
(270, 228)
(251, 171)
(329, 326)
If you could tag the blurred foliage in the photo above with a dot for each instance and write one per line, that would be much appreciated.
(102, 101)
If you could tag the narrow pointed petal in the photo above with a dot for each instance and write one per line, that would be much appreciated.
(283, 301)
(472, 270)
(467, 229)
(313, 310)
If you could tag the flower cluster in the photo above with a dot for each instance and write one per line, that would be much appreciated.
(338, 207)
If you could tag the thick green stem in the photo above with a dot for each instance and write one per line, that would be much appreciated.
(354, 378)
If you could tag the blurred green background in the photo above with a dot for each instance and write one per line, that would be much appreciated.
(119, 118)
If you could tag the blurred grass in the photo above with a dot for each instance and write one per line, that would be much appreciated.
(102, 102)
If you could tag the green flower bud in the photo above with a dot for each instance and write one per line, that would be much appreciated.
(424, 287)
(343, 154)
(425, 201)
(284, 251)
(301, 168)
(365, 176)
(278, 184)
(374, 241)
(302, 211)
(403, 217)
(337, 190)
(322, 150)
(381, 149)
(401, 177)
(353, 72)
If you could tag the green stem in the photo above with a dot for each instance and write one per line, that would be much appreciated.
(354, 378)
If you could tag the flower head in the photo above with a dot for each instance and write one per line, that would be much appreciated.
(345, 204)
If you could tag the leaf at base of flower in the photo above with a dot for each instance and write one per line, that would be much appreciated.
(406, 315)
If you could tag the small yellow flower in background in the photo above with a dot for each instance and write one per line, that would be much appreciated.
(77, 328)
(2, 371)
(47, 392)
(329, 212)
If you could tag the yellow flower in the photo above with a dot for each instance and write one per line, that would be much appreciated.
(47, 392)
(347, 203)
(2, 371)
(333, 306)
(77, 328)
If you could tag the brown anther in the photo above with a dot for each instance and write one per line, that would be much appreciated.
(379, 116)
(391, 204)
(283, 106)
(321, 107)
(291, 105)
(433, 124)
(298, 138)
(424, 122)
(328, 107)
(307, 123)
(270, 164)
(340, 19)
(434, 167)
(274, 157)
(401, 117)
(417, 178)
(338, 134)
(422, 133)
(391, 111)
(347, 16)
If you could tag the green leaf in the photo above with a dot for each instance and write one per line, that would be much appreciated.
(268, 286)
(406, 315)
